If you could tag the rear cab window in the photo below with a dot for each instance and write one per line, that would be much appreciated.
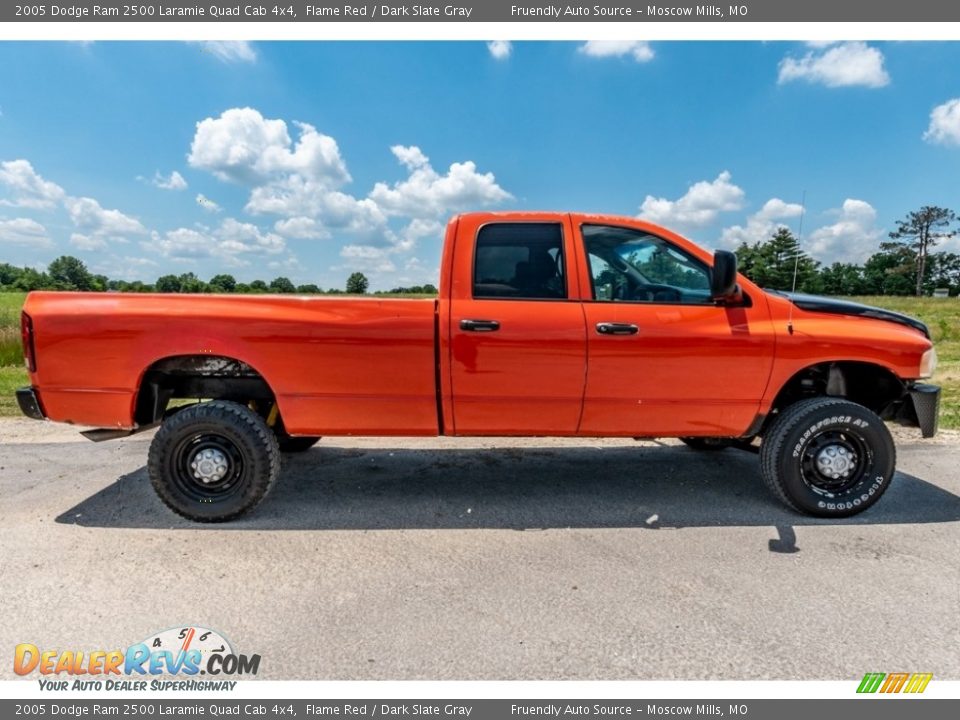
(521, 261)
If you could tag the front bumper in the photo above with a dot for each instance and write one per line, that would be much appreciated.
(29, 403)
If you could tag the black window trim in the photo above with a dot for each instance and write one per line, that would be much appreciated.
(563, 257)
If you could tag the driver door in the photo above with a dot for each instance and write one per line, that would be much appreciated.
(663, 359)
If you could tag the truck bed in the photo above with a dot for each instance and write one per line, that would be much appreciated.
(337, 365)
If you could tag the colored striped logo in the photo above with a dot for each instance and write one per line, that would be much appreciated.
(894, 682)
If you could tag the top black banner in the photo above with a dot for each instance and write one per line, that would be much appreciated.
(319, 11)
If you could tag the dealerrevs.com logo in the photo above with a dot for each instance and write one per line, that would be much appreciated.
(188, 652)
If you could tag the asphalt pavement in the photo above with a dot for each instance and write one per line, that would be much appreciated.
(501, 559)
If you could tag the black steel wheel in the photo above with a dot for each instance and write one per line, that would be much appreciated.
(213, 461)
(828, 457)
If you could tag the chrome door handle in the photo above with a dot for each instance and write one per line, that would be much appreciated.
(613, 328)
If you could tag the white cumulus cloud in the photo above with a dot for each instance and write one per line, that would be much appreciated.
(244, 147)
(762, 224)
(230, 51)
(639, 50)
(301, 228)
(182, 243)
(944, 126)
(297, 173)
(416, 230)
(853, 237)
(500, 49)
(173, 181)
(700, 206)
(366, 258)
(87, 242)
(297, 196)
(426, 193)
(238, 237)
(92, 219)
(839, 65)
(24, 231)
(231, 242)
(207, 204)
(28, 189)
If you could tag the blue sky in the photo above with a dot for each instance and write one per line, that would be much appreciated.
(315, 159)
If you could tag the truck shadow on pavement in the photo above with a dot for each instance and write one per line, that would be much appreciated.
(335, 488)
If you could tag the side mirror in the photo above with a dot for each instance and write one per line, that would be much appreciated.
(723, 276)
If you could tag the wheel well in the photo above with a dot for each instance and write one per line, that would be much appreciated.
(197, 376)
(866, 384)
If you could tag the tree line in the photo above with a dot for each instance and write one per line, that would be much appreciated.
(70, 273)
(905, 264)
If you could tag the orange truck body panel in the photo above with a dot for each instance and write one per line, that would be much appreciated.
(367, 366)
(337, 366)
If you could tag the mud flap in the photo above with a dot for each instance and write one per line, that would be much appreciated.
(926, 405)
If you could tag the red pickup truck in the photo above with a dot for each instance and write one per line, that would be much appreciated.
(547, 324)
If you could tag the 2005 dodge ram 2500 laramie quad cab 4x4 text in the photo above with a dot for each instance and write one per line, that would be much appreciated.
(546, 324)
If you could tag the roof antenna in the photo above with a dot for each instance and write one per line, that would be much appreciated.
(796, 260)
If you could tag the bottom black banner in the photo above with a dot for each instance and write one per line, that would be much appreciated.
(874, 708)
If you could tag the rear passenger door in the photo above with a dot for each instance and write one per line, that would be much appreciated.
(518, 340)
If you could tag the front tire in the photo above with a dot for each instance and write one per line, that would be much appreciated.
(828, 457)
(213, 461)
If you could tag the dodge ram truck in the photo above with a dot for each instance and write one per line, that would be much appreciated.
(546, 324)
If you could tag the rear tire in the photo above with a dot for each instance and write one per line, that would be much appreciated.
(828, 457)
(213, 461)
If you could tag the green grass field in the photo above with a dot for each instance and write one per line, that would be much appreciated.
(942, 316)
(10, 304)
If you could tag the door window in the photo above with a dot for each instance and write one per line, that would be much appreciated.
(628, 265)
(519, 261)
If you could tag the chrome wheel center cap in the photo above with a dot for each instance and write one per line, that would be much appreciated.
(209, 465)
(836, 461)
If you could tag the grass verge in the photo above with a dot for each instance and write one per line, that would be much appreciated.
(11, 378)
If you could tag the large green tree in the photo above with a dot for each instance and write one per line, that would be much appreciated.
(357, 283)
(771, 263)
(943, 272)
(223, 283)
(168, 284)
(889, 272)
(190, 283)
(69, 273)
(9, 274)
(282, 285)
(920, 231)
(842, 279)
(30, 279)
